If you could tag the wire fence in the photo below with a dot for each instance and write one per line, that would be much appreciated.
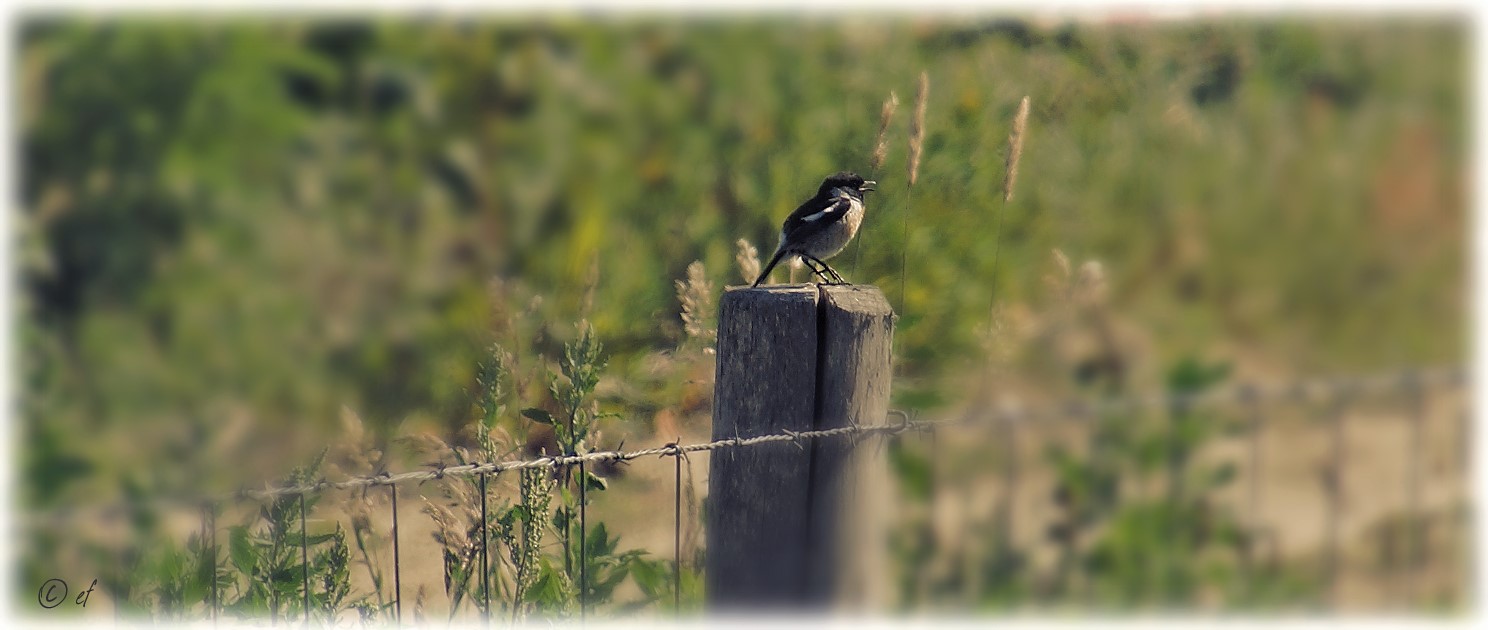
(1336, 392)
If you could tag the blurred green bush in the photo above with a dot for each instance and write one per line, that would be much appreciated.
(249, 222)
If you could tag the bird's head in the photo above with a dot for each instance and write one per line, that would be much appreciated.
(850, 182)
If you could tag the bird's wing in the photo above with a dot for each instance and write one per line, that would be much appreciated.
(832, 212)
(813, 216)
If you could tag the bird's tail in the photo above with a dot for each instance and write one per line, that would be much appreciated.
(779, 252)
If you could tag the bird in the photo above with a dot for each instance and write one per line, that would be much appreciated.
(820, 228)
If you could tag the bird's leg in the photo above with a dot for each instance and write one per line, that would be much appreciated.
(816, 271)
(840, 279)
(836, 277)
(808, 260)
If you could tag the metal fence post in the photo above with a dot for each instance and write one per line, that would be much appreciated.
(785, 529)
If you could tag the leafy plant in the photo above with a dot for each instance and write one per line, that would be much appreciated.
(258, 571)
(525, 578)
(269, 574)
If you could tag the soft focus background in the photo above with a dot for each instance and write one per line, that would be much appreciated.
(244, 241)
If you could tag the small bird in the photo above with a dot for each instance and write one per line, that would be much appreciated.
(822, 226)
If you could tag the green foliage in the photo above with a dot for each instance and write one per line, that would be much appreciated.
(258, 569)
(581, 365)
(489, 394)
(607, 569)
(526, 578)
(265, 569)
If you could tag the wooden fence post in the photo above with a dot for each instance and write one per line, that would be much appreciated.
(799, 525)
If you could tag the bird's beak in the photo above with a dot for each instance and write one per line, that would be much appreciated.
(867, 185)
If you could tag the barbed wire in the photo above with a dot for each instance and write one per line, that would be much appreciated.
(1302, 391)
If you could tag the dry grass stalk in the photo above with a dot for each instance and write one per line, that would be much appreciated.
(355, 453)
(881, 144)
(449, 532)
(1015, 151)
(696, 296)
(748, 259)
(1058, 280)
(916, 148)
(917, 127)
(1009, 177)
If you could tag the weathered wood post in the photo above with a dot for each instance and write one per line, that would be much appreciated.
(799, 525)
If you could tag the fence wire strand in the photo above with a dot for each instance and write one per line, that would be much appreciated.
(1301, 391)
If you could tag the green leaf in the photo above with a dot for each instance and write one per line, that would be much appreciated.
(311, 540)
(603, 588)
(595, 482)
(244, 555)
(203, 577)
(597, 543)
(537, 415)
(548, 589)
(651, 577)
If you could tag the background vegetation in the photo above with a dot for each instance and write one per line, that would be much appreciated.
(235, 234)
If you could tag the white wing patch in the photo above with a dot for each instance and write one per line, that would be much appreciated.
(839, 196)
